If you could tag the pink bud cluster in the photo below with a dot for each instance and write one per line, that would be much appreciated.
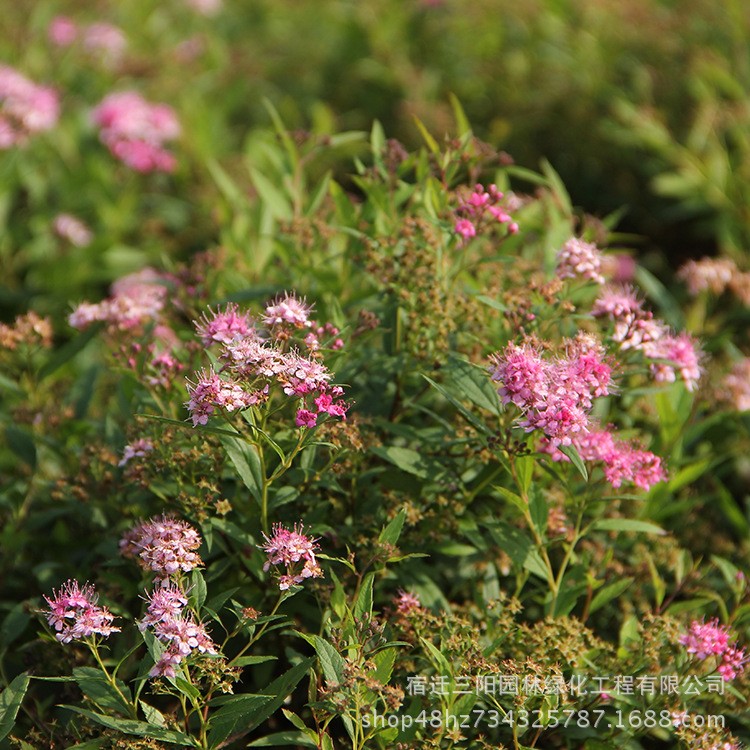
(72, 229)
(554, 396)
(135, 131)
(163, 545)
(580, 259)
(101, 39)
(25, 108)
(636, 329)
(295, 552)
(480, 209)
(707, 639)
(257, 360)
(174, 627)
(74, 613)
(622, 460)
(135, 299)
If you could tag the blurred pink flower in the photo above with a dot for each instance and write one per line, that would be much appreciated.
(25, 108)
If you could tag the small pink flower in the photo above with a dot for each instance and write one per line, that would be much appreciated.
(288, 310)
(74, 613)
(294, 551)
(25, 108)
(72, 229)
(135, 131)
(223, 326)
(62, 31)
(163, 545)
(137, 449)
(579, 259)
(306, 418)
(406, 602)
(465, 228)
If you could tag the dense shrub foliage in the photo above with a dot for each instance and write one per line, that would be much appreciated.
(316, 438)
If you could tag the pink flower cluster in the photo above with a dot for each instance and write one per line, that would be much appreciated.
(135, 131)
(406, 602)
(579, 259)
(554, 396)
(72, 229)
(163, 545)
(708, 274)
(736, 386)
(255, 361)
(74, 613)
(636, 329)
(136, 449)
(706, 639)
(481, 208)
(135, 299)
(180, 631)
(101, 39)
(223, 326)
(25, 108)
(622, 461)
(212, 392)
(295, 552)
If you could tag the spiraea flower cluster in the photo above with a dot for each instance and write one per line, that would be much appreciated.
(259, 361)
(136, 131)
(578, 259)
(74, 614)
(622, 461)
(555, 396)
(136, 449)
(175, 627)
(25, 108)
(164, 545)
(294, 552)
(636, 329)
(709, 639)
(479, 209)
(136, 299)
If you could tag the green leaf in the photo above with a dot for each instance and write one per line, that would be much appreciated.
(97, 689)
(462, 123)
(136, 728)
(22, 444)
(237, 716)
(627, 524)
(524, 471)
(406, 459)
(284, 738)
(518, 547)
(538, 511)
(65, 353)
(246, 661)
(607, 593)
(384, 661)
(428, 139)
(245, 458)
(391, 533)
(575, 457)
(473, 383)
(331, 661)
(10, 702)
(453, 399)
(198, 588)
(363, 605)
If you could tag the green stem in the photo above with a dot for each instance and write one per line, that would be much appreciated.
(111, 680)
(257, 635)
